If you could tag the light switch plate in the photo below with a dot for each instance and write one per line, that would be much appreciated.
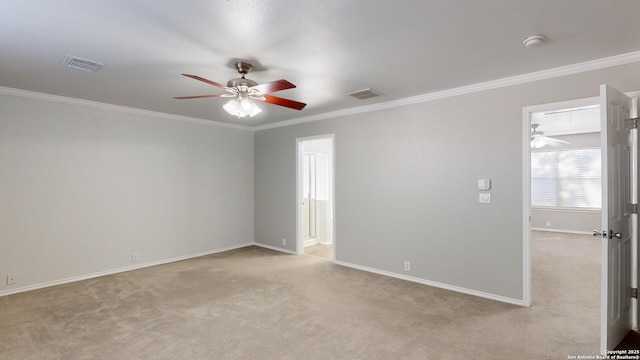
(484, 184)
(485, 198)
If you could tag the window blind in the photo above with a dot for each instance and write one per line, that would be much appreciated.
(567, 178)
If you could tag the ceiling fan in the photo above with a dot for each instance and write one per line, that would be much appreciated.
(538, 139)
(243, 90)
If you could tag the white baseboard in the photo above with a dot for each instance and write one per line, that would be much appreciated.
(190, 256)
(292, 252)
(119, 270)
(435, 284)
(563, 231)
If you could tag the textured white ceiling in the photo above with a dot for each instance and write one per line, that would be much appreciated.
(328, 48)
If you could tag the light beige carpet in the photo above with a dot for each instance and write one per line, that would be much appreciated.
(254, 303)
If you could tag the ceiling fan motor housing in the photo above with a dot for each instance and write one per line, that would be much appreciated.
(243, 68)
(237, 82)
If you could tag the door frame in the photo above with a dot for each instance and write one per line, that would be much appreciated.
(635, 197)
(299, 187)
(526, 196)
(526, 182)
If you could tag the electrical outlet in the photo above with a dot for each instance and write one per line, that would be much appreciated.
(135, 256)
(548, 223)
(407, 266)
(11, 279)
(284, 242)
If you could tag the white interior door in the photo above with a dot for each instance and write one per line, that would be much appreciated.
(615, 313)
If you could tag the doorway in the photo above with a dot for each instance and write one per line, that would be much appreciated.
(618, 147)
(561, 141)
(565, 200)
(315, 196)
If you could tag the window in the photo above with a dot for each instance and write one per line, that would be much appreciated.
(568, 178)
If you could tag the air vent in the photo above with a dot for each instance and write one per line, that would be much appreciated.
(81, 64)
(364, 94)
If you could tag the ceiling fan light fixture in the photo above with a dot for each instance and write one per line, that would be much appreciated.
(241, 108)
(538, 143)
(538, 139)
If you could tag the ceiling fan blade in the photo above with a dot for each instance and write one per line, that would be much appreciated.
(554, 144)
(198, 96)
(554, 140)
(283, 102)
(196, 77)
(273, 86)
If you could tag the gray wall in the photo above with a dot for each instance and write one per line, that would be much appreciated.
(82, 188)
(568, 220)
(406, 182)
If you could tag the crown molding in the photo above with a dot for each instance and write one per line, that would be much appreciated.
(469, 89)
(117, 108)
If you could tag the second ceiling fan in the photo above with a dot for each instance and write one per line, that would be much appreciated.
(243, 90)
(538, 139)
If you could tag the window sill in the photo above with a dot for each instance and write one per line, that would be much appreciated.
(563, 209)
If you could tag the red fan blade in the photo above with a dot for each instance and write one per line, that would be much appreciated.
(196, 77)
(197, 96)
(284, 102)
(273, 86)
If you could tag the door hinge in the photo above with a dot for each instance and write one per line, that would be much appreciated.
(634, 293)
(634, 208)
(633, 123)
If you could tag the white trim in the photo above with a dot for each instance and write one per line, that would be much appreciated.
(434, 284)
(109, 107)
(526, 203)
(333, 194)
(559, 105)
(488, 85)
(299, 214)
(634, 95)
(275, 248)
(562, 231)
(119, 270)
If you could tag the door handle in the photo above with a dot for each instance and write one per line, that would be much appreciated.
(614, 235)
(610, 235)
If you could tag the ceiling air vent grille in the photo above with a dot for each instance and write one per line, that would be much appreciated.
(364, 94)
(75, 62)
